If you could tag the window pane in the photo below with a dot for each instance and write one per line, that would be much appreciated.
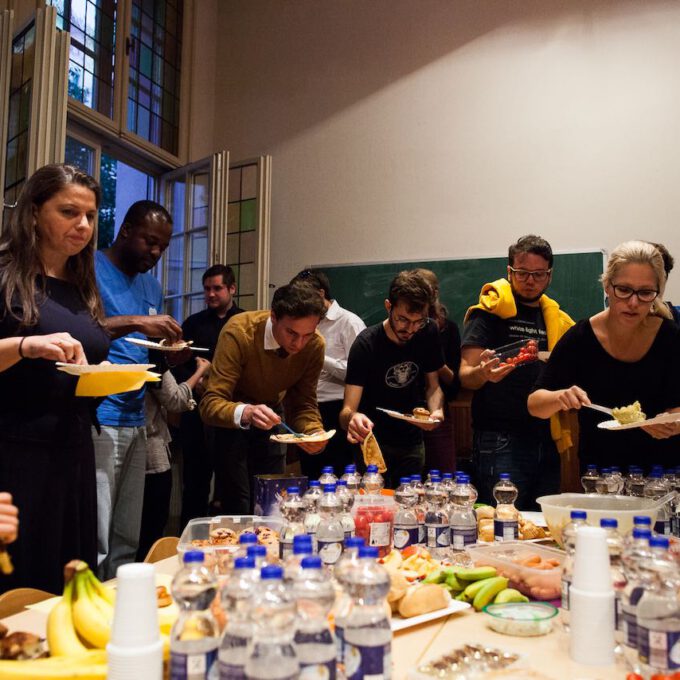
(177, 192)
(199, 258)
(196, 304)
(232, 248)
(173, 306)
(156, 29)
(247, 279)
(248, 249)
(80, 155)
(175, 260)
(233, 217)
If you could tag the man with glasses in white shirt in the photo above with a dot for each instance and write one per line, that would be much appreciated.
(383, 371)
(506, 438)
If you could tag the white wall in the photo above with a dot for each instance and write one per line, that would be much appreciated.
(408, 129)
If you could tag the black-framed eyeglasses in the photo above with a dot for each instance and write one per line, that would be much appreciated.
(643, 294)
(418, 324)
(538, 276)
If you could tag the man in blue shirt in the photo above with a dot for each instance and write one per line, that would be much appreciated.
(132, 299)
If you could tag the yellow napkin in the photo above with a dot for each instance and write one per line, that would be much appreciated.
(105, 384)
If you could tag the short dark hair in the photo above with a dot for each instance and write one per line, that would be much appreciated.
(227, 274)
(316, 278)
(298, 300)
(668, 261)
(141, 210)
(531, 244)
(413, 289)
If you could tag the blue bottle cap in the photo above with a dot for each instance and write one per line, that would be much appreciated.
(314, 483)
(658, 542)
(504, 475)
(606, 471)
(302, 538)
(348, 468)
(415, 478)
(434, 472)
(354, 542)
(302, 548)
(340, 482)
(372, 468)
(247, 538)
(435, 478)
(642, 519)
(271, 572)
(404, 480)
(465, 478)
(327, 468)
(311, 562)
(616, 468)
(194, 556)
(293, 489)
(329, 488)
(655, 474)
(609, 523)
(244, 563)
(578, 514)
(632, 469)
(352, 467)
(591, 467)
(642, 533)
(256, 551)
(447, 475)
(368, 551)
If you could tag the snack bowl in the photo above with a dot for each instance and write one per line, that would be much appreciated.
(557, 510)
(512, 559)
(523, 619)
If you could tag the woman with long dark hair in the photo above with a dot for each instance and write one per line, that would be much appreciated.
(49, 311)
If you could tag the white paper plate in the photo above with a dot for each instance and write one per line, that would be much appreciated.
(150, 344)
(399, 623)
(406, 416)
(658, 420)
(305, 439)
(75, 369)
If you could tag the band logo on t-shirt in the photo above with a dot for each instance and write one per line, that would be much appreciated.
(401, 375)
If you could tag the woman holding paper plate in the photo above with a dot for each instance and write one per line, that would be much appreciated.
(49, 311)
(629, 352)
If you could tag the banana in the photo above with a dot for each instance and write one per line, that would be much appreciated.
(488, 591)
(102, 605)
(89, 620)
(454, 583)
(106, 593)
(468, 595)
(90, 665)
(510, 595)
(475, 574)
(61, 635)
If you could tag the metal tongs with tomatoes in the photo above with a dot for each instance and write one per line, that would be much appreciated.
(527, 354)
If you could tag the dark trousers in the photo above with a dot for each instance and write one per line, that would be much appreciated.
(338, 451)
(244, 454)
(197, 467)
(531, 460)
(155, 511)
(440, 446)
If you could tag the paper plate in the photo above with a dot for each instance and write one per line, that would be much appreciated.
(106, 384)
(407, 416)
(305, 439)
(179, 347)
(657, 420)
(76, 369)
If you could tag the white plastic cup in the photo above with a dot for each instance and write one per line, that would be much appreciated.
(592, 573)
(136, 648)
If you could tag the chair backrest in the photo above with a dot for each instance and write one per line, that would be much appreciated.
(162, 548)
(15, 601)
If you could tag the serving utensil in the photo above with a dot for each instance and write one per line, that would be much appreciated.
(289, 429)
(602, 409)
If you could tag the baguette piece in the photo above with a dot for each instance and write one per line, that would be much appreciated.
(424, 598)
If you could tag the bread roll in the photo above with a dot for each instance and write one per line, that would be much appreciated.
(424, 598)
(398, 586)
(421, 413)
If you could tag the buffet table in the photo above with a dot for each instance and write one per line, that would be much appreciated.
(547, 655)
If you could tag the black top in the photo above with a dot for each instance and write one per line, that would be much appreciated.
(502, 406)
(654, 381)
(38, 402)
(389, 374)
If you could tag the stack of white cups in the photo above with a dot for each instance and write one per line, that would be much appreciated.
(136, 648)
(591, 600)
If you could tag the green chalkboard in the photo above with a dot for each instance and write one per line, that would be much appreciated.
(362, 288)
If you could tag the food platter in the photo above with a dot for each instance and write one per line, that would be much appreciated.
(304, 439)
(78, 369)
(179, 347)
(409, 418)
(661, 419)
(399, 623)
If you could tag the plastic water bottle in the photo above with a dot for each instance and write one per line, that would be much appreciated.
(347, 501)
(343, 603)
(271, 655)
(506, 517)
(639, 522)
(606, 484)
(312, 516)
(372, 482)
(259, 555)
(472, 490)
(236, 598)
(418, 487)
(327, 476)
(330, 534)
(302, 547)
(633, 554)
(578, 519)
(448, 482)
(432, 473)
(405, 518)
(589, 479)
(293, 513)
(194, 637)
(312, 495)
(314, 644)
(615, 547)
(618, 478)
(462, 519)
(368, 636)
(246, 539)
(437, 527)
(656, 488)
(658, 611)
(635, 484)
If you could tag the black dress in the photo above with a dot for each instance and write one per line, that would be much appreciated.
(46, 452)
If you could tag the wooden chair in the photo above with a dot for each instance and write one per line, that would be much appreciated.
(15, 601)
(162, 548)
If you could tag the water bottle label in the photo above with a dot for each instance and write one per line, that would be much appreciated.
(662, 527)
(314, 671)
(566, 584)
(405, 536)
(675, 525)
(438, 537)
(230, 671)
(191, 666)
(329, 551)
(618, 614)
(505, 529)
(368, 663)
(315, 544)
(630, 629)
(659, 648)
(461, 537)
(421, 532)
(380, 534)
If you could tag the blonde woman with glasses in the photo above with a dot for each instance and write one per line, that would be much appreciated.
(628, 352)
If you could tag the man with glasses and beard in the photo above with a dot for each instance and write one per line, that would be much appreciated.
(383, 370)
(506, 437)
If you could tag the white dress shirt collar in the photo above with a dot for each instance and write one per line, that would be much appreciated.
(269, 339)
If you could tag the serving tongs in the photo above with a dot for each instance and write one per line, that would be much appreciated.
(602, 409)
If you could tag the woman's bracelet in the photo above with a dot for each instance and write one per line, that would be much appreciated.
(21, 342)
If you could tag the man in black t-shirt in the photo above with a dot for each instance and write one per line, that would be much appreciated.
(383, 371)
(506, 437)
(219, 288)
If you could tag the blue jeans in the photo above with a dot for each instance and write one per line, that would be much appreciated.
(532, 461)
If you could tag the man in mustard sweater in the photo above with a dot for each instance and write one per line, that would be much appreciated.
(506, 437)
(261, 359)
